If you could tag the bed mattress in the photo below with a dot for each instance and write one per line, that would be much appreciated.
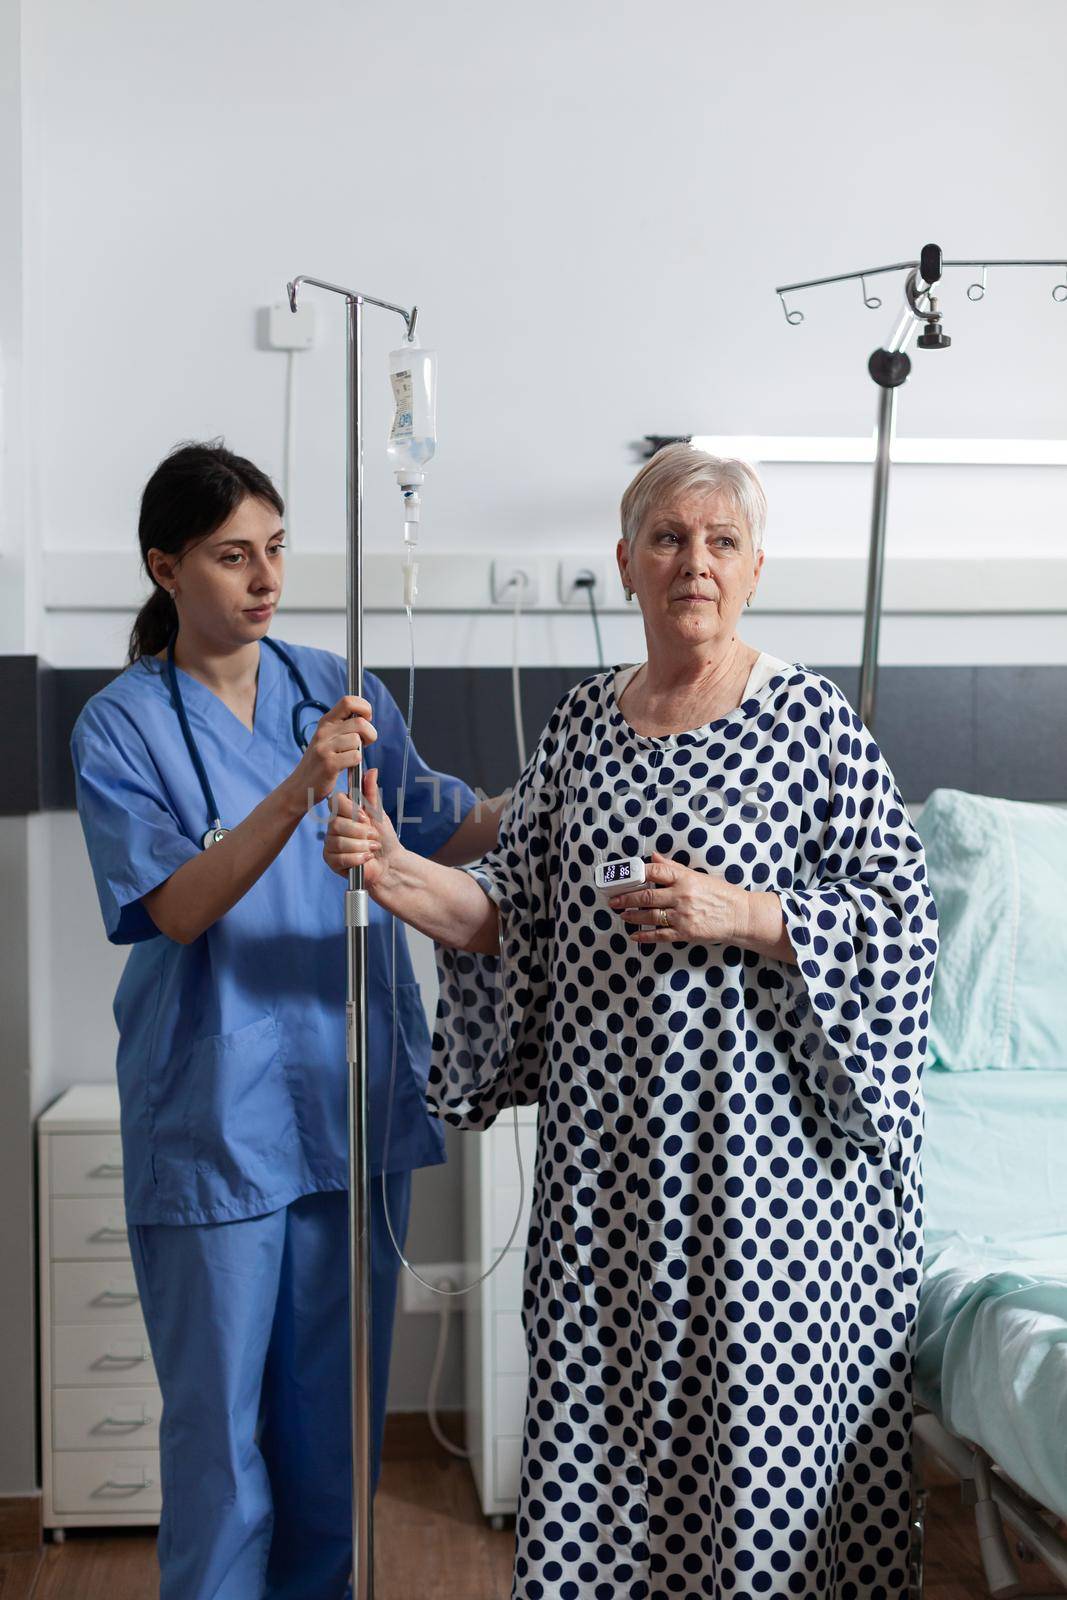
(992, 1353)
(991, 1358)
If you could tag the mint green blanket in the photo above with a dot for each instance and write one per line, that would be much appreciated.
(992, 1353)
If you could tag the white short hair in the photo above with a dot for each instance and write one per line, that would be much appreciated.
(677, 470)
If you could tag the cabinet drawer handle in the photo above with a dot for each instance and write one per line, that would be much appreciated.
(108, 1231)
(115, 1486)
(116, 1297)
(107, 1169)
(123, 1358)
(128, 1424)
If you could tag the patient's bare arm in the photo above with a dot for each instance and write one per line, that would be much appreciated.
(440, 901)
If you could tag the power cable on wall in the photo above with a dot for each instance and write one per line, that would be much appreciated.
(587, 580)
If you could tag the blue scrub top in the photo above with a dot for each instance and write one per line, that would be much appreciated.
(231, 1061)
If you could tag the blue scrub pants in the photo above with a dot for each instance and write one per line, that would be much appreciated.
(248, 1323)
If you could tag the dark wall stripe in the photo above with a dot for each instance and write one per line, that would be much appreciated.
(21, 736)
(65, 692)
(992, 730)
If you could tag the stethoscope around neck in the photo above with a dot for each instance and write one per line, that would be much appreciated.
(304, 704)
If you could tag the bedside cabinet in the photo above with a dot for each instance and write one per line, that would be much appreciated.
(100, 1405)
(497, 1364)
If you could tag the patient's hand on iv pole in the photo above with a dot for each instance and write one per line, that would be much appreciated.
(475, 836)
(442, 902)
(364, 839)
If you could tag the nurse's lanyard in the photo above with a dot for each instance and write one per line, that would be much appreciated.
(304, 704)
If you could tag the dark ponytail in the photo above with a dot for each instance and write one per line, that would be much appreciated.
(187, 499)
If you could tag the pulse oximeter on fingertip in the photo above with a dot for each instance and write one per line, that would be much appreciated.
(619, 874)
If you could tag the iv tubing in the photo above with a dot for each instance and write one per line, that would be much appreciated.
(446, 1294)
(435, 1378)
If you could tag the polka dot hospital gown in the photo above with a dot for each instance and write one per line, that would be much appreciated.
(725, 1246)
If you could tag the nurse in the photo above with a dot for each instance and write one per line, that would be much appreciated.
(202, 773)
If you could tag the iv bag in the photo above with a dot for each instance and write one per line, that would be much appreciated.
(413, 435)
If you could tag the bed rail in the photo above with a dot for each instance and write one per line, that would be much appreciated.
(994, 1499)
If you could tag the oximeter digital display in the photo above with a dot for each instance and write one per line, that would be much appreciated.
(625, 872)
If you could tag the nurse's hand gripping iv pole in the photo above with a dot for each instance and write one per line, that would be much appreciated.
(357, 920)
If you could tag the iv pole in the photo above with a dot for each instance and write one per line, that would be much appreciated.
(357, 921)
(889, 367)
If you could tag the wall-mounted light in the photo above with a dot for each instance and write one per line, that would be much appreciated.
(914, 452)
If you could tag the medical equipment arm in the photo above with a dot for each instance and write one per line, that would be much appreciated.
(206, 887)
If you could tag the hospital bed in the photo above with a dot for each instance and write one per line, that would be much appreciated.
(991, 1355)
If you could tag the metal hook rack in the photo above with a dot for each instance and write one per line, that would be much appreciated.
(871, 301)
(889, 367)
(1059, 292)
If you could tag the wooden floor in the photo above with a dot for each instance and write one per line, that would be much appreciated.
(433, 1542)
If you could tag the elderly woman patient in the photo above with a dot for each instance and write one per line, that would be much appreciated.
(723, 1264)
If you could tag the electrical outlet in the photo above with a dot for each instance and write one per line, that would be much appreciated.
(416, 1297)
(502, 576)
(571, 593)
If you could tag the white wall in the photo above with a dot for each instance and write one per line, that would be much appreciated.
(18, 1402)
(18, 835)
(592, 204)
(15, 551)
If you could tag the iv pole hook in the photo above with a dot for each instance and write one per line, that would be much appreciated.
(354, 297)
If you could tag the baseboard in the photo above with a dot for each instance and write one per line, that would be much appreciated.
(21, 1527)
(408, 1436)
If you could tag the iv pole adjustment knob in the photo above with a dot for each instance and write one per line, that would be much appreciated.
(933, 336)
(889, 368)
